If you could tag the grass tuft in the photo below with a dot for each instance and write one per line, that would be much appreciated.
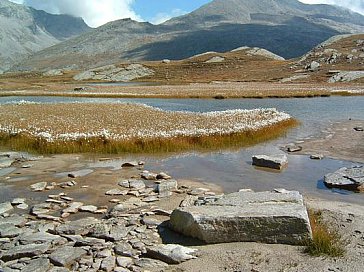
(325, 241)
(26, 142)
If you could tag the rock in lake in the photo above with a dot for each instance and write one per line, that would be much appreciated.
(268, 217)
(293, 149)
(346, 178)
(275, 161)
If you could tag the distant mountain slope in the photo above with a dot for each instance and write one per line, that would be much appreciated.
(24, 30)
(285, 27)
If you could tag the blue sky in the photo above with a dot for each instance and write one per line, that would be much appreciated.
(98, 12)
(150, 10)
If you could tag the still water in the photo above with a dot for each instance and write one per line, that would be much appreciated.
(232, 170)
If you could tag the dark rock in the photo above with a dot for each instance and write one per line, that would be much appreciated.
(358, 129)
(293, 149)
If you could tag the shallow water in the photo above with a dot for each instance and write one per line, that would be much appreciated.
(232, 170)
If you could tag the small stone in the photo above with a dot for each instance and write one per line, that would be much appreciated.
(9, 231)
(25, 166)
(358, 129)
(150, 264)
(22, 206)
(293, 149)
(149, 176)
(66, 198)
(37, 265)
(124, 261)
(124, 183)
(88, 208)
(124, 249)
(317, 157)
(164, 189)
(163, 175)
(150, 199)
(5, 207)
(18, 201)
(38, 187)
(171, 254)
(114, 200)
(66, 256)
(73, 208)
(130, 164)
(136, 184)
(114, 192)
(22, 251)
(108, 264)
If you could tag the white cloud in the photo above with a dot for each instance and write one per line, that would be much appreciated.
(355, 5)
(163, 16)
(94, 12)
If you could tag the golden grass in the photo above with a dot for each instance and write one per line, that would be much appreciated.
(25, 142)
(325, 241)
(119, 128)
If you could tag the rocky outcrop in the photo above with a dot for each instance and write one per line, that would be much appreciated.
(215, 59)
(115, 74)
(346, 178)
(346, 76)
(268, 217)
(275, 161)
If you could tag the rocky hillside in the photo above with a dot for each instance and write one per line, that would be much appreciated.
(25, 30)
(285, 27)
(339, 59)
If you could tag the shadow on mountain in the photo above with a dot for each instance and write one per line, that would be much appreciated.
(292, 39)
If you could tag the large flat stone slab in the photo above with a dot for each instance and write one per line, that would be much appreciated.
(268, 217)
(346, 178)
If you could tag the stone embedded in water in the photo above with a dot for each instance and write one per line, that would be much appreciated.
(317, 157)
(5, 207)
(38, 187)
(358, 129)
(66, 256)
(130, 164)
(274, 162)
(171, 254)
(18, 201)
(293, 149)
(346, 178)
(267, 217)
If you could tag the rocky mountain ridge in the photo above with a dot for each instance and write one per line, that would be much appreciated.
(25, 30)
(287, 28)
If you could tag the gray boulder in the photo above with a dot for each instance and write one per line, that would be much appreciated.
(165, 188)
(346, 178)
(268, 217)
(275, 162)
(313, 66)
